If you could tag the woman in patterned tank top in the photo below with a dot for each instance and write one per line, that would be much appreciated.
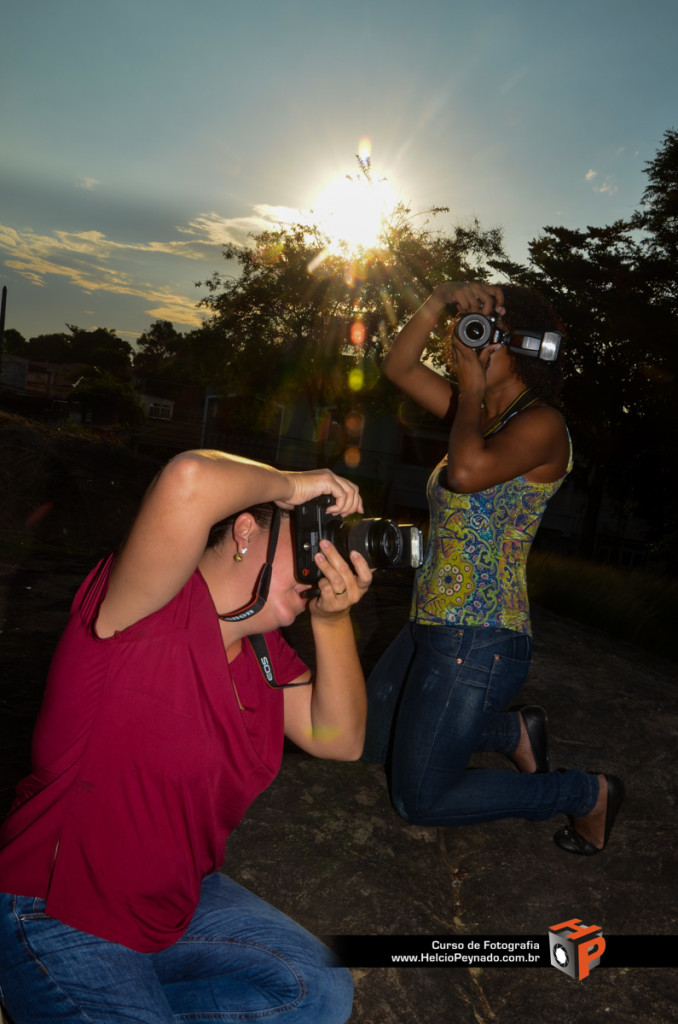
(440, 692)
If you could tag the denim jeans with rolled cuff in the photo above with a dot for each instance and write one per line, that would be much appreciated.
(437, 696)
(240, 960)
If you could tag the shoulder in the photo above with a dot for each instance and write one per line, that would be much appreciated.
(545, 419)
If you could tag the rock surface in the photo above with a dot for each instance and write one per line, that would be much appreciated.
(324, 844)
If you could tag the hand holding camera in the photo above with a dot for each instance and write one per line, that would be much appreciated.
(382, 543)
(341, 493)
(340, 583)
(479, 309)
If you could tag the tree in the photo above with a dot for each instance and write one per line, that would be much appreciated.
(103, 349)
(658, 214)
(53, 348)
(616, 290)
(105, 400)
(14, 343)
(158, 349)
(302, 311)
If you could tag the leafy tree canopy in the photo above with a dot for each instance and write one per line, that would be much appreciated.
(304, 312)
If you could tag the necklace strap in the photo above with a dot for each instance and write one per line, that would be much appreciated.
(524, 400)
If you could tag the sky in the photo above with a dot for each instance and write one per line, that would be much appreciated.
(138, 136)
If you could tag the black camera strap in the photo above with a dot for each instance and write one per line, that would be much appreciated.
(260, 648)
(524, 400)
(264, 581)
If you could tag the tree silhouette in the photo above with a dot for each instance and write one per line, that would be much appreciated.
(616, 288)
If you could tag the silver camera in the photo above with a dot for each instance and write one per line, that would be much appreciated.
(476, 331)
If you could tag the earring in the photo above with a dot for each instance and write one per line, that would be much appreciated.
(237, 557)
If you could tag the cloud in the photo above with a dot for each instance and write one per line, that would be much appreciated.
(606, 187)
(92, 262)
(88, 183)
(81, 258)
(217, 230)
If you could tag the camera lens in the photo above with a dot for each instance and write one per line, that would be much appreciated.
(473, 330)
(378, 540)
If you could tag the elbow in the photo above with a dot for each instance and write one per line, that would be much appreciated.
(388, 369)
(460, 479)
(346, 747)
(182, 479)
(354, 750)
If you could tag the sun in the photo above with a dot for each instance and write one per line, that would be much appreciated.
(353, 208)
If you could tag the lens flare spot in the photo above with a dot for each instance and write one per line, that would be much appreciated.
(352, 457)
(270, 253)
(356, 379)
(316, 263)
(365, 148)
(357, 332)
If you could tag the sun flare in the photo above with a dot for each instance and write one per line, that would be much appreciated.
(353, 209)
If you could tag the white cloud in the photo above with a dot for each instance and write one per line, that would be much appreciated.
(92, 262)
(606, 187)
(218, 230)
(88, 183)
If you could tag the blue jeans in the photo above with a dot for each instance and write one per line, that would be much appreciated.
(240, 960)
(436, 697)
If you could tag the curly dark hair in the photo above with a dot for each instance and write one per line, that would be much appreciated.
(527, 308)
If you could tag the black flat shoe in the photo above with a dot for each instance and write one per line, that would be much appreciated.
(571, 840)
(536, 726)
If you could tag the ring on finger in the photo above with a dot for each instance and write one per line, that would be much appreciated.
(338, 593)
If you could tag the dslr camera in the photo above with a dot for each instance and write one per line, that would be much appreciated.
(383, 543)
(476, 331)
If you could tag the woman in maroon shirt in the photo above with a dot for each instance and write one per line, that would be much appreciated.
(157, 731)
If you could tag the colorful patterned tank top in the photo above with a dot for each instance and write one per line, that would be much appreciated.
(474, 569)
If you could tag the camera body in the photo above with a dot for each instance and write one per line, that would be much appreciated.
(383, 543)
(475, 330)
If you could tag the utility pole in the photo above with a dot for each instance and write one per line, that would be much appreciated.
(2, 319)
(3, 307)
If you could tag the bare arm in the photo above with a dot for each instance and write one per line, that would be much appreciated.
(194, 491)
(534, 445)
(403, 364)
(328, 718)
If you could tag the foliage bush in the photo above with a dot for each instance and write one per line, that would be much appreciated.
(636, 606)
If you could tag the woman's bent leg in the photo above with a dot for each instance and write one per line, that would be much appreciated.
(457, 678)
(51, 973)
(241, 959)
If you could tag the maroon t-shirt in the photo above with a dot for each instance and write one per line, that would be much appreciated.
(148, 750)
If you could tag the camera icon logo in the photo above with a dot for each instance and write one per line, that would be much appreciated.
(576, 948)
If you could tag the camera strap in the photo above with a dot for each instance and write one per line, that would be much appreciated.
(260, 648)
(524, 400)
(264, 581)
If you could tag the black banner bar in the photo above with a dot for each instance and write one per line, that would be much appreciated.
(492, 950)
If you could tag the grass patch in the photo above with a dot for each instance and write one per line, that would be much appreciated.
(636, 606)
